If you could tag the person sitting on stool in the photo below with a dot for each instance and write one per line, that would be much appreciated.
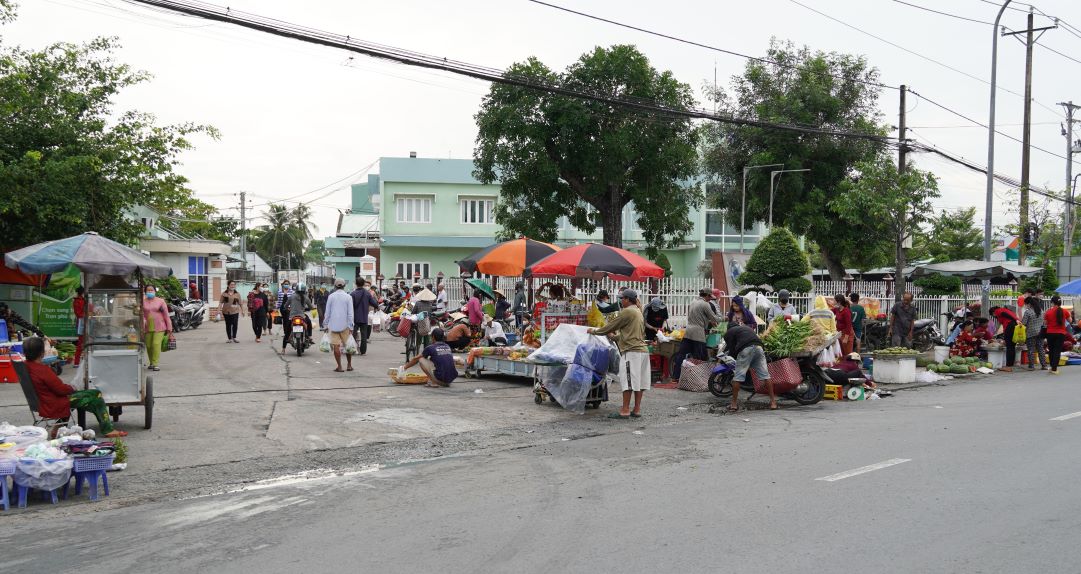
(56, 398)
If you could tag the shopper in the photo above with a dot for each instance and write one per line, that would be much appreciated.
(339, 322)
(1032, 319)
(321, 296)
(520, 306)
(231, 310)
(782, 308)
(79, 308)
(436, 360)
(700, 319)
(475, 311)
(844, 323)
(739, 314)
(656, 318)
(743, 343)
(441, 298)
(363, 304)
(157, 325)
(605, 306)
(272, 300)
(859, 315)
(1008, 319)
(1056, 318)
(634, 375)
(902, 322)
(258, 306)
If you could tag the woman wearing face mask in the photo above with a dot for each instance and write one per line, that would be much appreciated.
(231, 310)
(157, 325)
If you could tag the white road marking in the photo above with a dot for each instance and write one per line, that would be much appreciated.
(1067, 417)
(864, 469)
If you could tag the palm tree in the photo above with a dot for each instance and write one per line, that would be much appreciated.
(300, 218)
(279, 238)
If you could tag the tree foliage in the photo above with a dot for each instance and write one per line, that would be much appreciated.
(825, 90)
(282, 241)
(167, 287)
(778, 262)
(951, 235)
(556, 155)
(70, 161)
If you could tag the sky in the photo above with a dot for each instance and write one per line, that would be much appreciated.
(301, 122)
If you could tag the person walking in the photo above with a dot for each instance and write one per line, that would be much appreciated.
(743, 343)
(258, 308)
(1056, 319)
(271, 311)
(157, 325)
(634, 376)
(519, 306)
(859, 315)
(363, 303)
(441, 299)
(231, 310)
(844, 323)
(339, 322)
(321, 296)
(903, 322)
(1032, 319)
(700, 318)
(1008, 319)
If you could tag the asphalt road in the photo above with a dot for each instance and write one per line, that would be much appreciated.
(971, 477)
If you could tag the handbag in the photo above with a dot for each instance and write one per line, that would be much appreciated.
(170, 342)
(403, 327)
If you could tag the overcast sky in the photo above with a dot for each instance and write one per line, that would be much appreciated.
(296, 117)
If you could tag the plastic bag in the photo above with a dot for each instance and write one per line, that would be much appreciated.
(593, 354)
(613, 360)
(594, 318)
(22, 437)
(561, 344)
(324, 343)
(569, 386)
(45, 474)
(350, 346)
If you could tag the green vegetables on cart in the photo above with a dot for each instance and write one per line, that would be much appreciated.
(784, 338)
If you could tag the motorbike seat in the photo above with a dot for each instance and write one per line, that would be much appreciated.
(921, 323)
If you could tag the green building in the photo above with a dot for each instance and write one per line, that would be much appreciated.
(421, 215)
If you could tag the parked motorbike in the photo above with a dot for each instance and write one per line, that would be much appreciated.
(195, 309)
(808, 392)
(298, 334)
(925, 335)
(180, 319)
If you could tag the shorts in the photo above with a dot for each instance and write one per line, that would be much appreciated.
(751, 358)
(340, 337)
(634, 372)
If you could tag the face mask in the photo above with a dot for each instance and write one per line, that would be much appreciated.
(150, 294)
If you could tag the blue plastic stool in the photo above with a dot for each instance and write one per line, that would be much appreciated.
(90, 470)
(7, 468)
(25, 490)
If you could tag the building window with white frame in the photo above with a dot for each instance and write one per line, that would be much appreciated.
(414, 209)
(476, 211)
(409, 269)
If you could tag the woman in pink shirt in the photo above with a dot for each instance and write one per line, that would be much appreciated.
(157, 325)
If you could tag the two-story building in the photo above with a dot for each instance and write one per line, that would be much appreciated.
(424, 214)
(192, 259)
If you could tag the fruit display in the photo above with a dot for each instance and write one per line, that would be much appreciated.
(896, 351)
(65, 350)
(958, 366)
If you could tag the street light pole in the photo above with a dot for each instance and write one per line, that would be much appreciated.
(743, 203)
(990, 198)
(772, 175)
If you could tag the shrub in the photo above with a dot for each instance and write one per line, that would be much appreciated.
(662, 261)
(937, 284)
(793, 284)
(168, 287)
(778, 260)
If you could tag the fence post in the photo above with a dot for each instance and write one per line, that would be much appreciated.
(944, 319)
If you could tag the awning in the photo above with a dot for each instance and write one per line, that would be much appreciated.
(971, 269)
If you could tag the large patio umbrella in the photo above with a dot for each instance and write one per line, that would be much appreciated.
(507, 259)
(971, 269)
(1071, 288)
(89, 252)
(595, 261)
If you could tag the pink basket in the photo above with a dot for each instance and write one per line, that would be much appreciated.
(785, 375)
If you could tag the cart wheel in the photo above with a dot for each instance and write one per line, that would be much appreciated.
(115, 411)
(149, 403)
(81, 416)
(537, 398)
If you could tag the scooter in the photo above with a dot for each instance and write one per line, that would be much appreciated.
(298, 334)
(925, 335)
(808, 392)
(195, 310)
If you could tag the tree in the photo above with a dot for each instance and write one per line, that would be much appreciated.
(952, 235)
(937, 284)
(884, 206)
(70, 161)
(826, 90)
(316, 252)
(556, 155)
(188, 216)
(778, 262)
(278, 241)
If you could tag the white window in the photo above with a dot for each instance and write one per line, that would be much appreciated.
(478, 211)
(414, 209)
(408, 270)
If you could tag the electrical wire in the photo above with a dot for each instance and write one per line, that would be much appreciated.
(917, 6)
(1054, 51)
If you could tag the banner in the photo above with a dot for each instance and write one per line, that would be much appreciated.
(52, 311)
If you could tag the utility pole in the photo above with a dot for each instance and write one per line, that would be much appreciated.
(243, 230)
(902, 161)
(1026, 137)
(1071, 146)
(989, 196)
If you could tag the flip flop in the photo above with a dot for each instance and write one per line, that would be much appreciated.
(636, 415)
(618, 416)
(774, 407)
(349, 368)
(338, 371)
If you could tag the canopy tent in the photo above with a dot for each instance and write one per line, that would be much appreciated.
(89, 252)
(507, 259)
(971, 269)
(595, 261)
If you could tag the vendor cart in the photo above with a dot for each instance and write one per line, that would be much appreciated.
(598, 392)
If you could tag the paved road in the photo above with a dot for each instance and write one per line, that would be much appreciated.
(971, 477)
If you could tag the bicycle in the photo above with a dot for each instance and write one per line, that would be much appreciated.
(412, 341)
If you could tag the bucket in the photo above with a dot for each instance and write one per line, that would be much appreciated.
(941, 353)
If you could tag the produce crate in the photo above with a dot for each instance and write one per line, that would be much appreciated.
(89, 463)
(833, 393)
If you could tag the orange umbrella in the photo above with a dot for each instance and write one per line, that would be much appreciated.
(507, 259)
(594, 260)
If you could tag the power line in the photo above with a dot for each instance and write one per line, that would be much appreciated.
(917, 6)
(1052, 50)
(694, 43)
(314, 36)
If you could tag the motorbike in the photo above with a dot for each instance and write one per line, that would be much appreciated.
(925, 335)
(196, 310)
(808, 392)
(187, 314)
(298, 334)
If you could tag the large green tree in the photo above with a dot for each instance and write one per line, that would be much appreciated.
(70, 161)
(949, 236)
(556, 155)
(823, 90)
(885, 206)
(282, 241)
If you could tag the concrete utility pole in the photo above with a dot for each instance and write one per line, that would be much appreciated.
(1026, 137)
(902, 165)
(1071, 148)
(243, 230)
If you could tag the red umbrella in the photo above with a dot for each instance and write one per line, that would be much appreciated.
(594, 260)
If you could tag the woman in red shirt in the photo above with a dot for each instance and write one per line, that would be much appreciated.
(844, 323)
(78, 306)
(1055, 319)
(55, 398)
(1008, 319)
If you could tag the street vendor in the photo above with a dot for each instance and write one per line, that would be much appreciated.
(902, 321)
(460, 335)
(436, 361)
(634, 376)
(1008, 319)
(966, 344)
(8, 314)
(56, 398)
(700, 319)
(739, 314)
(656, 318)
(782, 308)
(605, 306)
(502, 306)
(493, 333)
(474, 310)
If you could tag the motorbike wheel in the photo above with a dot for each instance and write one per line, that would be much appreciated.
(720, 385)
(816, 381)
(298, 342)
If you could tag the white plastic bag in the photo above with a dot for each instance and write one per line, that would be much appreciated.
(350, 346)
(43, 474)
(324, 343)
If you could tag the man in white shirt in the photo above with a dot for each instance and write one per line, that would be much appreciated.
(440, 298)
(493, 333)
(339, 322)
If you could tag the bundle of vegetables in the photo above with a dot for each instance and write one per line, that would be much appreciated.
(896, 351)
(784, 338)
(65, 350)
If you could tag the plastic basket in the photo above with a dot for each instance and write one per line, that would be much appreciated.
(89, 463)
(7, 467)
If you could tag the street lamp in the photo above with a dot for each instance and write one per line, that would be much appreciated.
(772, 175)
(743, 201)
(989, 200)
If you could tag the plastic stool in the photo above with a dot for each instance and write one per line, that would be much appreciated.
(24, 491)
(91, 477)
(4, 492)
